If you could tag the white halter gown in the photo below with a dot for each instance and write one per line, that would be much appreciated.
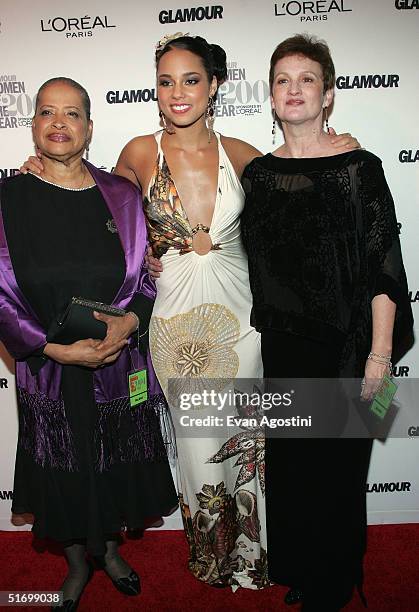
(200, 329)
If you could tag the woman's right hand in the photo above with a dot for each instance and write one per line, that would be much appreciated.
(84, 353)
(33, 164)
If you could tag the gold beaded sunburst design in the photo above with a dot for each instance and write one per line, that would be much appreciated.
(195, 345)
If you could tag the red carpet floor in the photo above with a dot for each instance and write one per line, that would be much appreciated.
(391, 575)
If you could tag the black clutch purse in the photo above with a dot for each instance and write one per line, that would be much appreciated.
(78, 323)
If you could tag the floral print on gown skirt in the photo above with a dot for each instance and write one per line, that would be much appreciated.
(200, 329)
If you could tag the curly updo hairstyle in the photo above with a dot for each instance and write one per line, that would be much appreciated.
(213, 57)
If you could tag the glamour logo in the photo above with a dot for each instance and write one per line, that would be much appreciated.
(3, 381)
(195, 13)
(366, 81)
(238, 96)
(409, 155)
(406, 4)
(6, 495)
(414, 296)
(131, 96)
(413, 431)
(401, 371)
(75, 27)
(310, 11)
(389, 487)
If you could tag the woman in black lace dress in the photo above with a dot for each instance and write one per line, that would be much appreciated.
(330, 299)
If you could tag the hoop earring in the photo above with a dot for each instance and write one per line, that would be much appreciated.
(167, 126)
(209, 117)
(326, 118)
(273, 128)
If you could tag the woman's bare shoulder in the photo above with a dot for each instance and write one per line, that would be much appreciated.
(137, 159)
(240, 147)
(239, 152)
(140, 145)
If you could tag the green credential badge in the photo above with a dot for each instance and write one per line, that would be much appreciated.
(384, 397)
(137, 386)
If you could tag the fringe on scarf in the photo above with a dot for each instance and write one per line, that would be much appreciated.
(126, 434)
(44, 432)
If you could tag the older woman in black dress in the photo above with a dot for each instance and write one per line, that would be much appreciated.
(89, 460)
(328, 285)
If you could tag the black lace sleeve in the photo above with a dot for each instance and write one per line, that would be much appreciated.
(386, 274)
(250, 231)
(248, 205)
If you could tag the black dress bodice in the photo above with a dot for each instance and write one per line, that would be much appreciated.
(62, 244)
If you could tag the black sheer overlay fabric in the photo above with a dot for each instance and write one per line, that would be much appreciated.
(322, 240)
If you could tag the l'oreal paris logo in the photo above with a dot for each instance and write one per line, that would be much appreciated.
(310, 11)
(76, 27)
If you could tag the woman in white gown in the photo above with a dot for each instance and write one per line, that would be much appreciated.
(200, 326)
(200, 329)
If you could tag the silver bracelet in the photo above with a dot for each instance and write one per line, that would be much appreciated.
(386, 357)
(386, 363)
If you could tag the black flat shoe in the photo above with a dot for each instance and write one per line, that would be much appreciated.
(71, 605)
(293, 597)
(130, 585)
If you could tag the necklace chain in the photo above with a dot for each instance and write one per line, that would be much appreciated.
(80, 188)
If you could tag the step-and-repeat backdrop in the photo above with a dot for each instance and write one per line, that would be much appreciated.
(108, 46)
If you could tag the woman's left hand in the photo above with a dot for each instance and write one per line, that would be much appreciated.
(154, 265)
(374, 374)
(119, 328)
(343, 142)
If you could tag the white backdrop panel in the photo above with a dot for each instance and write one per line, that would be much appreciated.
(109, 46)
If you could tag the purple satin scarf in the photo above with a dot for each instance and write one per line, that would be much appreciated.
(21, 331)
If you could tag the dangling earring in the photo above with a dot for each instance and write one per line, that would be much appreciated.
(326, 119)
(168, 128)
(209, 117)
(87, 151)
(273, 127)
